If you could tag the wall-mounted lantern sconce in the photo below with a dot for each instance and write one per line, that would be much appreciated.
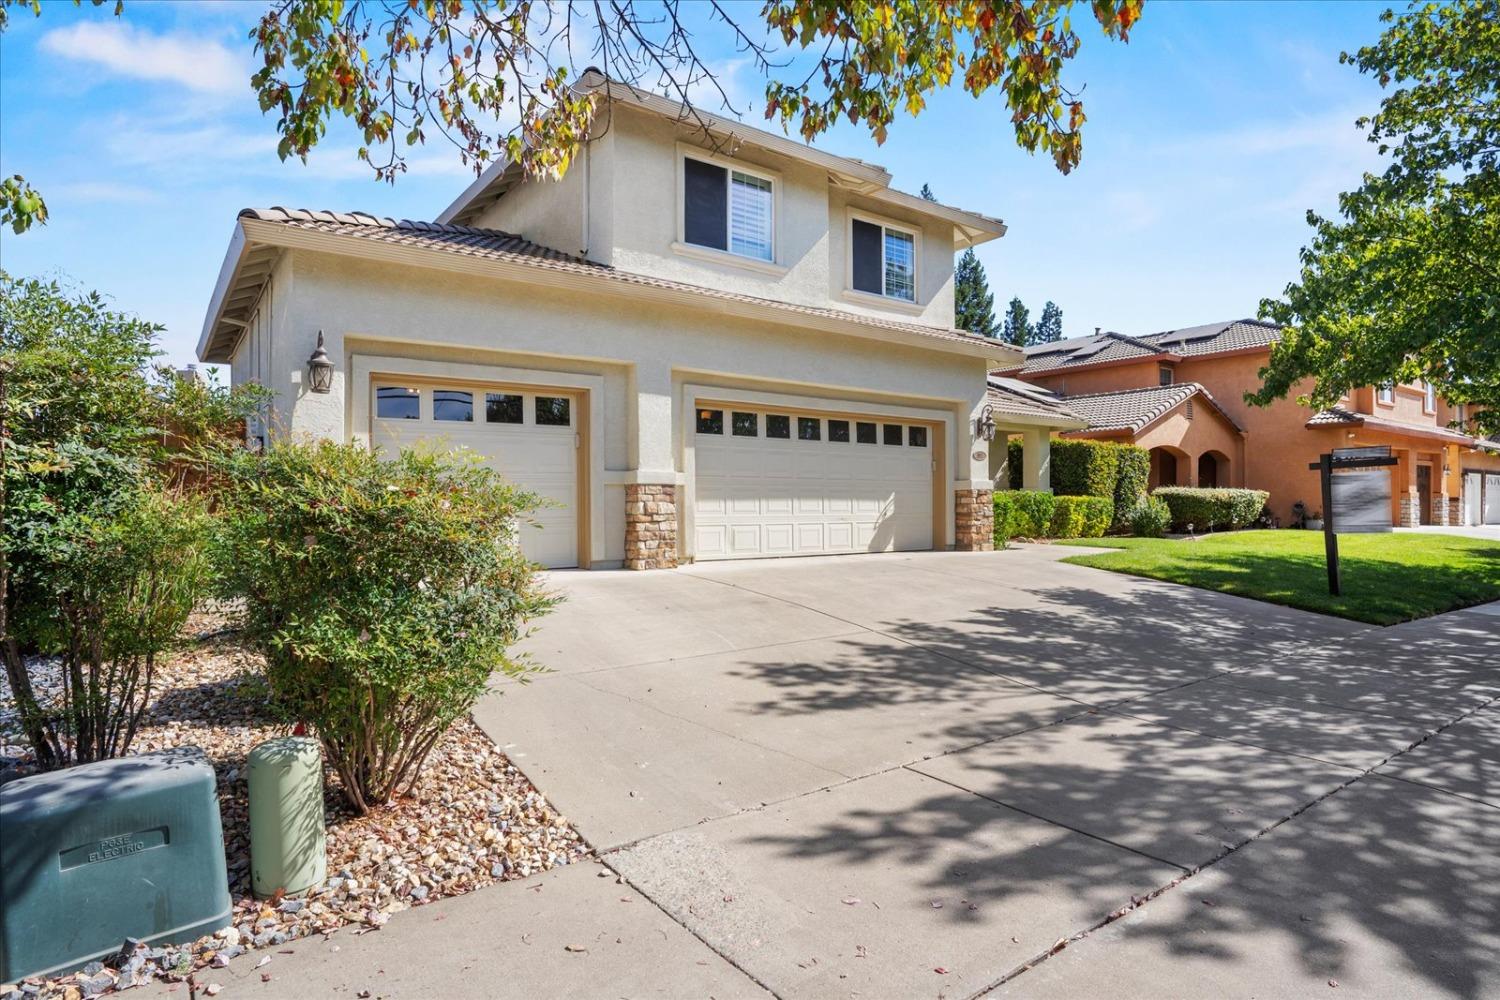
(984, 424)
(320, 368)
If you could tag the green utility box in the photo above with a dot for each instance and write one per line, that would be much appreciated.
(288, 846)
(94, 854)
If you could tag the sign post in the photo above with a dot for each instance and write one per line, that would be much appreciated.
(1354, 502)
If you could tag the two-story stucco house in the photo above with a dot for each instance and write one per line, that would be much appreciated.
(700, 345)
(1181, 392)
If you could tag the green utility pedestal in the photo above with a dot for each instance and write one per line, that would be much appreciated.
(288, 847)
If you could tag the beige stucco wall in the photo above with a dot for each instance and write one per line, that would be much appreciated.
(644, 352)
(630, 179)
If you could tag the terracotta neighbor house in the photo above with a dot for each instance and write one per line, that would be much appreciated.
(1181, 394)
(715, 346)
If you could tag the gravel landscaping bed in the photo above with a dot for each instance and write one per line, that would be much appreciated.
(472, 819)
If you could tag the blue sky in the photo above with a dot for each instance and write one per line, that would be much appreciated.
(1209, 137)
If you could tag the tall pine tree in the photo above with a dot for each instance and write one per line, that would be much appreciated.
(1018, 329)
(926, 193)
(973, 302)
(1049, 327)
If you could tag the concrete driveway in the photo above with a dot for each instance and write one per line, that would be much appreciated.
(947, 774)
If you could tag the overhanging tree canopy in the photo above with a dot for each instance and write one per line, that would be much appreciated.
(492, 76)
(1405, 284)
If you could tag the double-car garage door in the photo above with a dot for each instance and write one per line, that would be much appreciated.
(772, 483)
(767, 482)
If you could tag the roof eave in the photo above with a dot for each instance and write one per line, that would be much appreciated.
(259, 232)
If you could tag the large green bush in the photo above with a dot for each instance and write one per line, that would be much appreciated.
(1151, 518)
(1023, 514)
(1211, 509)
(1083, 468)
(1133, 475)
(384, 593)
(1081, 517)
(101, 558)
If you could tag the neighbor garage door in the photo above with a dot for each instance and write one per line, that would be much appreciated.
(528, 437)
(1491, 499)
(773, 483)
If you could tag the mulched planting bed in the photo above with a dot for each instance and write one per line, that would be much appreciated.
(473, 818)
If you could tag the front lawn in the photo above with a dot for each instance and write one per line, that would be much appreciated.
(1387, 578)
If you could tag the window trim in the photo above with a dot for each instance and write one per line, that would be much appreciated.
(915, 303)
(1385, 395)
(726, 256)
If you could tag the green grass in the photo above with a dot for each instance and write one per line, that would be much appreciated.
(1387, 578)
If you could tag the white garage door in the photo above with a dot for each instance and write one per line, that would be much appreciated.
(1492, 499)
(780, 484)
(528, 437)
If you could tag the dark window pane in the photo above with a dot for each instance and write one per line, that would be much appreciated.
(745, 424)
(710, 421)
(808, 429)
(916, 437)
(502, 408)
(778, 425)
(705, 219)
(838, 430)
(892, 434)
(554, 411)
(397, 402)
(864, 433)
(868, 259)
(452, 404)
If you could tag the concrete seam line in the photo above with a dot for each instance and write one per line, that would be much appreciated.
(704, 941)
(1142, 901)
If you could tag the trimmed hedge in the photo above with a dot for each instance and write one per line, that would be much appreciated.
(1134, 472)
(1151, 518)
(1084, 468)
(1081, 517)
(1117, 472)
(1023, 514)
(1211, 509)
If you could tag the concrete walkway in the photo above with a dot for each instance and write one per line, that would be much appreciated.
(946, 774)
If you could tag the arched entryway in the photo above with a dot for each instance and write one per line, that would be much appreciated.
(1213, 469)
(1165, 466)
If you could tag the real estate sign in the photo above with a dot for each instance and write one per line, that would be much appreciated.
(1361, 501)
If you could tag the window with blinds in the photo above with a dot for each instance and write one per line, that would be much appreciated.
(884, 260)
(724, 209)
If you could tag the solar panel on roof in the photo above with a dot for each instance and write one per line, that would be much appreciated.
(1089, 350)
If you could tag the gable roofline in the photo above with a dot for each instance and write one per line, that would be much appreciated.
(1173, 396)
(1237, 336)
(261, 234)
(857, 176)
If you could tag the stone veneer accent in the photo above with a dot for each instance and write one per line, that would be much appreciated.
(1455, 510)
(650, 526)
(1411, 510)
(1440, 509)
(974, 520)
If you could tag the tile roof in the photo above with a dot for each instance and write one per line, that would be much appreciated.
(1132, 410)
(1017, 398)
(1334, 416)
(494, 244)
(1192, 341)
(1338, 416)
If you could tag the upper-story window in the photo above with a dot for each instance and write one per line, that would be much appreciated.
(729, 209)
(1429, 397)
(1163, 374)
(884, 260)
(1386, 394)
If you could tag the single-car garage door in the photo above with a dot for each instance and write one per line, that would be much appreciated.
(1492, 498)
(528, 437)
(787, 484)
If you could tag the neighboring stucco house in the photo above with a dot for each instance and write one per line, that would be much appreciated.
(700, 346)
(1177, 378)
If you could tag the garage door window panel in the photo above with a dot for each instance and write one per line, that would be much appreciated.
(746, 424)
(864, 433)
(710, 421)
(891, 433)
(453, 405)
(838, 430)
(398, 402)
(916, 437)
(504, 408)
(809, 429)
(554, 411)
(778, 425)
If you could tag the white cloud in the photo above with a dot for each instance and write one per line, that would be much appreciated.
(109, 192)
(200, 64)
